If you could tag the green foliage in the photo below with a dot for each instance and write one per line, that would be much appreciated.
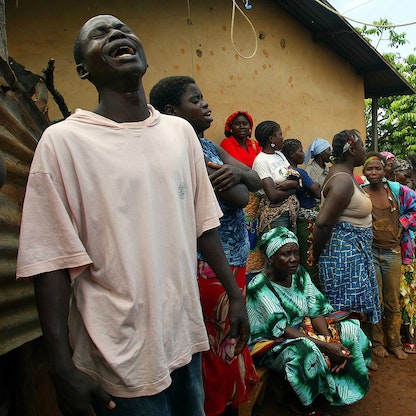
(396, 116)
(379, 32)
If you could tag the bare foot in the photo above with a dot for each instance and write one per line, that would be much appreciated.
(398, 353)
(380, 351)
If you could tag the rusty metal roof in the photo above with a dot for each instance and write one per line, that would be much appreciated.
(20, 126)
(381, 79)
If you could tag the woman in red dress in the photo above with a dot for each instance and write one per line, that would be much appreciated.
(238, 144)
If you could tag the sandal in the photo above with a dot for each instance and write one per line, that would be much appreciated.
(409, 348)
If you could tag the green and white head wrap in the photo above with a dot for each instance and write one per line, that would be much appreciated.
(276, 238)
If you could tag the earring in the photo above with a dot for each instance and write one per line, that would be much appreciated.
(272, 145)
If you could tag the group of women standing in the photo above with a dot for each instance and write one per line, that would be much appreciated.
(266, 200)
(358, 274)
(282, 296)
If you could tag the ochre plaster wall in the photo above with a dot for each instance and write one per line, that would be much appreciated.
(305, 86)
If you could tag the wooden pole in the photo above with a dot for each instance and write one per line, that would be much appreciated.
(374, 109)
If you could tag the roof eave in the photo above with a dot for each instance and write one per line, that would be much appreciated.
(381, 79)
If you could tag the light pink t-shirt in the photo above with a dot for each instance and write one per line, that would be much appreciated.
(121, 205)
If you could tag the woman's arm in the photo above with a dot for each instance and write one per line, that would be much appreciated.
(320, 326)
(337, 353)
(277, 193)
(237, 195)
(245, 175)
(315, 190)
(338, 195)
(407, 199)
(312, 187)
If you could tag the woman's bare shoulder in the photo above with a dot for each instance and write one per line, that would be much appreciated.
(338, 182)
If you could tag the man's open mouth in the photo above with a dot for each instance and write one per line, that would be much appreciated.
(122, 52)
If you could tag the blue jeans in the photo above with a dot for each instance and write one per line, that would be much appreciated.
(387, 263)
(184, 397)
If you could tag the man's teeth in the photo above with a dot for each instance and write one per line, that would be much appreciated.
(123, 52)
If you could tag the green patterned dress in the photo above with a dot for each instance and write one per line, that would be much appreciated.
(271, 308)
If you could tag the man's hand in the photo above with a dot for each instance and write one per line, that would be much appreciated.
(239, 325)
(74, 391)
(209, 245)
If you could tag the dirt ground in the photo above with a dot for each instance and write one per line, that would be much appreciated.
(392, 393)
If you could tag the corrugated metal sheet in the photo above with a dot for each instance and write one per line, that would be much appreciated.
(21, 124)
(381, 79)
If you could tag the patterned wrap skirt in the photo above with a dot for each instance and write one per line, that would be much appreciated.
(346, 271)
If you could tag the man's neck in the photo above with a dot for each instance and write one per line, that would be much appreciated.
(123, 106)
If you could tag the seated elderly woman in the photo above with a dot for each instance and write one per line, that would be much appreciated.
(295, 331)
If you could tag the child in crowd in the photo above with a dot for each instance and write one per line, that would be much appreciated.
(307, 194)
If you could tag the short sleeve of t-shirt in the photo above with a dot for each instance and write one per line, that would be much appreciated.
(45, 219)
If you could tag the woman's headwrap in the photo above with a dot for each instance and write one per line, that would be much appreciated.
(401, 164)
(352, 139)
(388, 156)
(315, 149)
(374, 157)
(276, 238)
(230, 119)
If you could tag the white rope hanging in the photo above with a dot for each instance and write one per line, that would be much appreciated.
(235, 6)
